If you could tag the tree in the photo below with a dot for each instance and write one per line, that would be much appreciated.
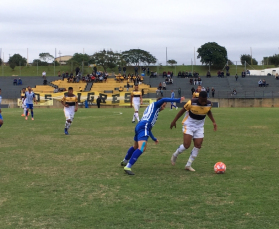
(106, 59)
(12, 65)
(46, 57)
(274, 60)
(137, 56)
(230, 62)
(247, 58)
(17, 60)
(172, 62)
(213, 54)
(39, 62)
(78, 58)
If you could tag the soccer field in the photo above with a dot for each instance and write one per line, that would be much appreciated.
(49, 180)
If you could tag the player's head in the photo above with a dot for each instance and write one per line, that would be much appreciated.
(203, 98)
(23, 89)
(29, 88)
(70, 90)
(163, 106)
(136, 87)
(199, 88)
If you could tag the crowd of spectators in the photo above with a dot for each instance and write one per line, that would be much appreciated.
(262, 83)
(17, 81)
(136, 79)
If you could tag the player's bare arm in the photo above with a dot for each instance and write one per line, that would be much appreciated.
(64, 105)
(140, 99)
(210, 115)
(132, 99)
(179, 114)
(76, 107)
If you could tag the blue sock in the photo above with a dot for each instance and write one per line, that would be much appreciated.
(134, 157)
(26, 113)
(32, 114)
(129, 153)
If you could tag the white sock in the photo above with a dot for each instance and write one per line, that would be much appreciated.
(137, 116)
(24, 111)
(179, 150)
(67, 125)
(194, 154)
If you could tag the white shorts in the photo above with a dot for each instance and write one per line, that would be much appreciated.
(23, 105)
(136, 106)
(69, 112)
(193, 127)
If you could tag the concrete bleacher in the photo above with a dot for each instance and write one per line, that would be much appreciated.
(246, 87)
(10, 91)
(65, 84)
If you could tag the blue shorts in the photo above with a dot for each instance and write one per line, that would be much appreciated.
(1, 118)
(29, 106)
(141, 132)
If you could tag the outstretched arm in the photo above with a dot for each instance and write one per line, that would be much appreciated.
(166, 100)
(179, 114)
(152, 137)
(210, 115)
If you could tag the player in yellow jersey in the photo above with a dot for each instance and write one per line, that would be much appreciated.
(196, 94)
(193, 126)
(136, 101)
(70, 103)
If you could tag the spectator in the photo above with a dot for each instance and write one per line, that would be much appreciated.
(148, 71)
(264, 83)
(208, 91)
(227, 69)
(120, 89)
(15, 82)
(247, 72)
(164, 86)
(80, 89)
(191, 81)
(199, 81)
(208, 74)
(55, 90)
(19, 82)
(260, 83)
(160, 86)
(63, 75)
(128, 86)
(234, 92)
(75, 79)
(59, 74)
(136, 70)
(212, 92)
(44, 74)
(276, 76)
(179, 92)
(124, 70)
(236, 77)
(143, 69)
(98, 101)
(243, 74)
(95, 70)
(195, 81)
(101, 78)
(179, 74)
(44, 82)
(77, 70)
(193, 90)
(119, 69)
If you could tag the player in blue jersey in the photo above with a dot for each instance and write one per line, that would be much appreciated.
(173, 96)
(1, 118)
(29, 98)
(143, 131)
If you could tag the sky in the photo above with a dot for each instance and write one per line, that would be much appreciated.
(181, 26)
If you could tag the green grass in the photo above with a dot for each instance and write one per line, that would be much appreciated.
(49, 180)
(202, 70)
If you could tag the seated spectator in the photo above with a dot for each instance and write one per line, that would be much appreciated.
(190, 74)
(277, 76)
(80, 89)
(183, 74)
(121, 78)
(101, 78)
(243, 74)
(55, 90)
(264, 83)
(260, 83)
(222, 74)
(45, 82)
(78, 79)
(120, 89)
(227, 74)
(105, 78)
(141, 79)
(155, 74)
(208, 74)
(129, 78)
(195, 81)
(160, 86)
(247, 72)
(83, 78)
(193, 90)
(219, 73)
(179, 74)
(169, 74)
(19, 82)
(191, 81)
(74, 79)
(234, 92)
(15, 82)
(169, 81)
(186, 74)
(164, 74)
(199, 81)
(196, 74)
(164, 85)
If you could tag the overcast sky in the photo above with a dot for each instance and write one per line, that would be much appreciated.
(152, 25)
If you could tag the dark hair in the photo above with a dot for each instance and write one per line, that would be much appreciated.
(203, 94)
(70, 88)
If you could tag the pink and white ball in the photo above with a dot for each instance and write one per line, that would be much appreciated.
(220, 168)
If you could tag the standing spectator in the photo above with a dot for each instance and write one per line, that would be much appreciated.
(212, 92)
(44, 74)
(243, 74)
(208, 74)
(77, 70)
(148, 71)
(192, 90)
(136, 70)
(179, 92)
(98, 101)
(207, 91)
(95, 70)
(227, 70)
(236, 77)
(124, 70)
(119, 69)
(247, 72)
(128, 86)
(143, 69)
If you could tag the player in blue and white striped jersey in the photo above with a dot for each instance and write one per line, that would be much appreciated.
(29, 98)
(143, 131)
(1, 118)
(173, 96)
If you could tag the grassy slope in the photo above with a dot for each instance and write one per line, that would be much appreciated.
(32, 70)
(49, 180)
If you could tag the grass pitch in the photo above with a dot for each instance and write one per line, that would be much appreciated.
(49, 180)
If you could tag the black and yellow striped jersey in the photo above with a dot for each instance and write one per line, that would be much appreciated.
(136, 93)
(196, 110)
(22, 95)
(196, 95)
(70, 100)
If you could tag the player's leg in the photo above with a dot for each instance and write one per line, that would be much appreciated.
(26, 112)
(198, 139)
(136, 112)
(187, 139)
(133, 120)
(32, 113)
(129, 154)
(1, 120)
(68, 120)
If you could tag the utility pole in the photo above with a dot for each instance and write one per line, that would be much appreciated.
(166, 56)
(60, 56)
(251, 56)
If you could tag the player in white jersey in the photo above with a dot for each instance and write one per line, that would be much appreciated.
(136, 101)
(23, 101)
(1, 118)
(29, 99)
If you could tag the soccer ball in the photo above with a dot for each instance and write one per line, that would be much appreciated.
(220, 168)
